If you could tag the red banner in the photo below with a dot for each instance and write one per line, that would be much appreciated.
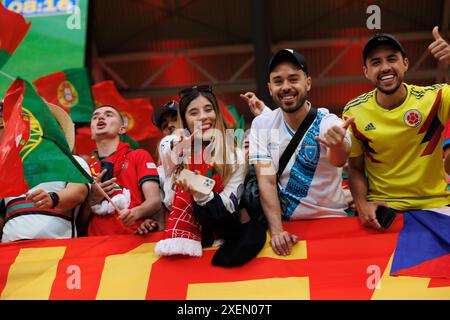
(336, 259)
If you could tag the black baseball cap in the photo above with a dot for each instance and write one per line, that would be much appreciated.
(288, 55)
(170, 107)
(381, 38)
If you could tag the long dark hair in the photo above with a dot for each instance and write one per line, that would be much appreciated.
(221, 156)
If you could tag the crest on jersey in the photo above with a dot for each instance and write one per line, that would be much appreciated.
(412, 118)
(310, 152)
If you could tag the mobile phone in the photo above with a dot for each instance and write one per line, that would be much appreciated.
(385, 216)
(109, 166)
(200, 183)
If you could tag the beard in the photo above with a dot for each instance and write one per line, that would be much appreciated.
(295, 107)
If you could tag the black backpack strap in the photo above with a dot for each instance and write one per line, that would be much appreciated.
(287, 154)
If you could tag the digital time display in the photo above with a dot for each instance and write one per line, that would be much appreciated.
(30, 8)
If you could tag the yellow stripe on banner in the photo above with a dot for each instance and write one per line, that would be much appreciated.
(125, 276)
(407, 288)
(294, 288)
(298, 251)
(32, 274)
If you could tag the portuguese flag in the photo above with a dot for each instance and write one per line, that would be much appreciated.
(33, 148)
(13, 29)
(69, 89)
(240, 122)
(231, 117)
(141, 113)
(137, 113)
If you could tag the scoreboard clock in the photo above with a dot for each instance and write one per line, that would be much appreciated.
(32, 8)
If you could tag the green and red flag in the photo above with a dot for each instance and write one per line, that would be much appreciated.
(137, 113)
(240, 122)
(233, 121)
(230, 121)
(69, 89)
(13, 140)
(33, 147)
(231, 117)
(13, 29)
(133, 143)
(140, 117)
(84, 145)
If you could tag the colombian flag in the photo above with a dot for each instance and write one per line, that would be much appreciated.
(423, 248)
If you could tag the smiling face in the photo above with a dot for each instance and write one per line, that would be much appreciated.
(106, 122)
(169, 123)
(200, 114)
(385, 68)
(289, 86)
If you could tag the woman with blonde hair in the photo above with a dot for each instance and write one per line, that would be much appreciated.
(203, 145)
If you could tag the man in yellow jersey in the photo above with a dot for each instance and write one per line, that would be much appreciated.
(396, 155)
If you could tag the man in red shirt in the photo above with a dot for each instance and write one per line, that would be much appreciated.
(131, 172)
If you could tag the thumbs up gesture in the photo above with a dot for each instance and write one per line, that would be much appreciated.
(335, 135)
(333, 139)
(439, 48)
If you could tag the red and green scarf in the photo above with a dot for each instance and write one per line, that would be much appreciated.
(118, 158)
(183, 232)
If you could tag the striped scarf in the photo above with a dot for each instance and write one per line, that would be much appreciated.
(183, 232)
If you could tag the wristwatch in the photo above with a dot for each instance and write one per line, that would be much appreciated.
(55, 198)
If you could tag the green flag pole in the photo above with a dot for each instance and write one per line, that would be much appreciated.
(7, 75)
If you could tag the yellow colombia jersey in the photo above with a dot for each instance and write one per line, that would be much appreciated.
(402, 147)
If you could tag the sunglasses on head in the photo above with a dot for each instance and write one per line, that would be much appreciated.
(171, 104)
(190, 90)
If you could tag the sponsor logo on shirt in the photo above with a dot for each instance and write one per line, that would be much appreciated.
(369, 127)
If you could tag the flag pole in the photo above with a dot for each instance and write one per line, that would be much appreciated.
(106, 196)
(7, 76)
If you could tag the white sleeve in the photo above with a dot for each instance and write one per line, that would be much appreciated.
(259, 140)
(85, 166)
(168, 158)
(167, 193)
(232, 192)
(266, 110)
(331, 120)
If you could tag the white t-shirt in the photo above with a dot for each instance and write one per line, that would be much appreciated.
(40, 226)
(311, 185)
